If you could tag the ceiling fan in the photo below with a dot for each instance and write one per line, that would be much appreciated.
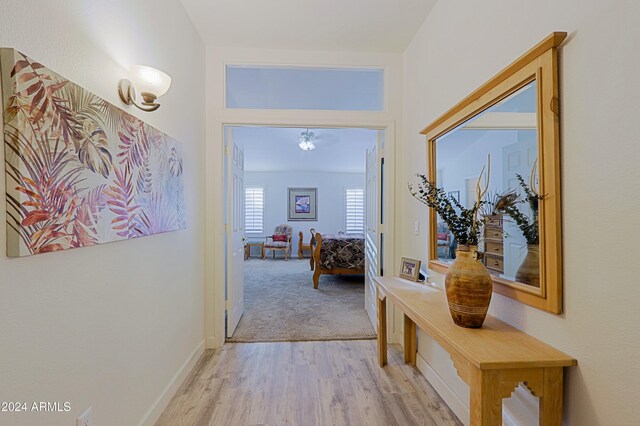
(308, 139)
(305, 142)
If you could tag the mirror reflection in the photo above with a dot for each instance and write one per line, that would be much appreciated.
(508, 133)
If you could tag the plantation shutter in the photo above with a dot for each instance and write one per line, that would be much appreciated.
(354, 206)
(253, 209)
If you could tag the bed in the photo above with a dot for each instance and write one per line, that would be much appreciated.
(337, 254)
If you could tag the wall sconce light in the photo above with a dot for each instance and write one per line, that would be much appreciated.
(150, 82)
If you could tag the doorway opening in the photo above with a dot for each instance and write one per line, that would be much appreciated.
(300, 201)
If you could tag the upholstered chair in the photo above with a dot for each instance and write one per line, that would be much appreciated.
(280, 240)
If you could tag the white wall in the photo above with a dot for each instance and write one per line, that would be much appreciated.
(600, 174)
(107, 326)
(331, 200)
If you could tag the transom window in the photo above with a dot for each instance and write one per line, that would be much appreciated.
(307, 88)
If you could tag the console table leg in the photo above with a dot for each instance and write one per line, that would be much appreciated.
(409, 341)
(486, 402)
(382, 331)
(551, 400)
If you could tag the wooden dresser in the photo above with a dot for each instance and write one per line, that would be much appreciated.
(494, 243)
(493, 359)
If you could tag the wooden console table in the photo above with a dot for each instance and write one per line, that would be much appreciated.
(492, 360)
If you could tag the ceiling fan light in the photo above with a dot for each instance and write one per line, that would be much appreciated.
(306, 145)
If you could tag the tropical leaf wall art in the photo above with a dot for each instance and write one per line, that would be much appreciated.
(80, 171)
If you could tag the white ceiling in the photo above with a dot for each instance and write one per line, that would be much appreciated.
(275, 149)
(345, 25)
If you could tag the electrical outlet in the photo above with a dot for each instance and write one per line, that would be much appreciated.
(86, 419)
(416, 227)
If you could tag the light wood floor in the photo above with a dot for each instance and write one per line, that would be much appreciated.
(305, 384)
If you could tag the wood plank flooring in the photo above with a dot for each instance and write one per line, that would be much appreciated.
(305, 384)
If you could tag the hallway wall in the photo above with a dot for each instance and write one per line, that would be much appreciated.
(460, 46)
(108, 326)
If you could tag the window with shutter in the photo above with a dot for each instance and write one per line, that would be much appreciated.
(253, 210)
(354, 210)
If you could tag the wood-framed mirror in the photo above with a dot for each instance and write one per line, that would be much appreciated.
(513, 118)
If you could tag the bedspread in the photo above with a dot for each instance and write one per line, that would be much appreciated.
(343, 251)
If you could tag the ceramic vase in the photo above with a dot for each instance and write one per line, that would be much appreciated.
(469, 287)
(529, 270)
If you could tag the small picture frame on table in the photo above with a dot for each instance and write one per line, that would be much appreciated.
(410, 269)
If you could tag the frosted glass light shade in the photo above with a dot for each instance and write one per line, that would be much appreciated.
(307, 145)
(149, 80)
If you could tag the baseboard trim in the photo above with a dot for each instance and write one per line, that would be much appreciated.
(152, 416)
(457, 406)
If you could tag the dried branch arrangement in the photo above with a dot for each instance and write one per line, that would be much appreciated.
(462, 222)
(508, 203)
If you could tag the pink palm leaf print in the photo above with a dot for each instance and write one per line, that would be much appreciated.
(122, 203)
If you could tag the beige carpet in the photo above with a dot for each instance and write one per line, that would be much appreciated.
(282, 305)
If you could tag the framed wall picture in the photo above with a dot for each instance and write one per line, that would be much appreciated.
(79, 170)
(410, 269)
(303, 204)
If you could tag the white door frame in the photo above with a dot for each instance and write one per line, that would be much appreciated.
(214, 234)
